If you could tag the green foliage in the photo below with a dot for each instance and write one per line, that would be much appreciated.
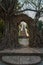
(40, 24)
(1, 27)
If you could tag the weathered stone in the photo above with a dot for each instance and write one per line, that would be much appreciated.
(21, 59)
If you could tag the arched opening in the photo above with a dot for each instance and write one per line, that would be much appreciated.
(23, 34)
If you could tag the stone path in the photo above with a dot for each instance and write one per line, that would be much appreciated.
(23, 50)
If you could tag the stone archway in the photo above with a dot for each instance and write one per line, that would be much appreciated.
(31, 26)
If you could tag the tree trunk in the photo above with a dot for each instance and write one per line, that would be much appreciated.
(10, 39)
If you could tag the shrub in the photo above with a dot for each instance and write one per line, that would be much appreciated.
(1, 27)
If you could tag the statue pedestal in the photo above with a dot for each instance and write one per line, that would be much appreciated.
(24, 42)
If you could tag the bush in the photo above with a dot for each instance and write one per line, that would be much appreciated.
(1, 27)
(39, 25)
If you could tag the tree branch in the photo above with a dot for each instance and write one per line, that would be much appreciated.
(42, 8)
(25, 10)
(34, 4)
(2, 7)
